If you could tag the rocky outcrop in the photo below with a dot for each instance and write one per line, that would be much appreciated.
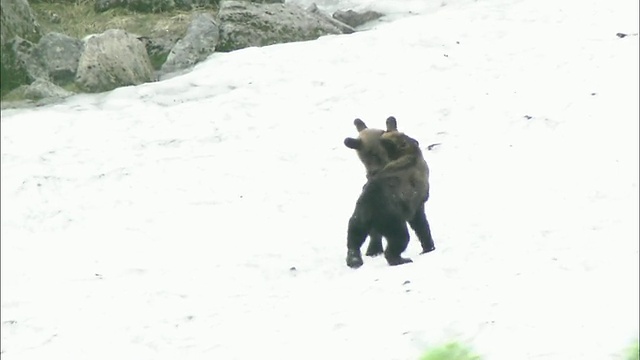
(41, 67)
(354, 18)
(244, 24)
(59, 55)
(17, 21)
(199, 42)
(112, 59)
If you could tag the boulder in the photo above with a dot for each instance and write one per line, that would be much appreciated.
(39, 89)
(23, 58)
(112, 59)
(346, 29)
(199, 42)
(59, 55)
(16, 20)
(244, 24)
(354, 18)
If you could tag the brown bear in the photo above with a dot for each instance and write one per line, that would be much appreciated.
(374, 157)
(393, 195)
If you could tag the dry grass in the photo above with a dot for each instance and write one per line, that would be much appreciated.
(78, 19)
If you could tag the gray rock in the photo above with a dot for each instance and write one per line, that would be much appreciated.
(245, 24)
(199, 42)
(346, 29)
(60, 55)
(112, 59)
(42, 89)
(16, 20)
(354, 18)
(25, 59)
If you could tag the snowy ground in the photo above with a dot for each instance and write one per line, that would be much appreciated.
(163, 221)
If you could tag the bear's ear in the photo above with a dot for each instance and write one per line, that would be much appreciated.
(392, 124)
(360, 125)
(352, 143)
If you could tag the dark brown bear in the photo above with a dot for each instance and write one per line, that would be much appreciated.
(391, 197)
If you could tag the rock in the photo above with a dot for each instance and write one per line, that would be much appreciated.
(354, 18)
(16, 20)
(42, 89)
(199, 42)
(112, 59)
(59, 55)
(23, 60)
(245, 24)
(346, 29)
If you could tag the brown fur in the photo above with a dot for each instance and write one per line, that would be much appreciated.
(401, 186)
(368, 147)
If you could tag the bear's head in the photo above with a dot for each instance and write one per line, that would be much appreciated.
(397, 144)
(368, 146)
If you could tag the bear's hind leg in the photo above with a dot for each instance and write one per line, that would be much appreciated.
(375, 244)
(397, 236)
(356, 235)
(420, 225)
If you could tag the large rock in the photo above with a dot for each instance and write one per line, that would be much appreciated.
(59, 55)
(244, 24)
(23, 57)
(199, 42)
(345, 28)
(354, 18)
(16, 19)
(39, 89)
(112, 59)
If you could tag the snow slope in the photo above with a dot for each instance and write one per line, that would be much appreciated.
(205, 216)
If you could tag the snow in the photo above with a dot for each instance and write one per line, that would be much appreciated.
(204, 216)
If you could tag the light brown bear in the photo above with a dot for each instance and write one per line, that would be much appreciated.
(395, 193)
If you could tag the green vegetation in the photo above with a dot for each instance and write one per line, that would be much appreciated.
(450, 351)
(632, 352)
